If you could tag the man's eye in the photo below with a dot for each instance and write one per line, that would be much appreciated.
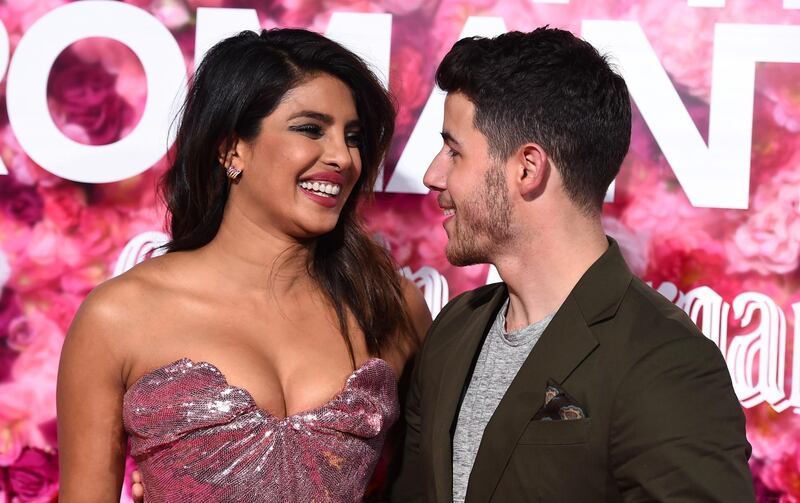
(311, 130)
(451, 153)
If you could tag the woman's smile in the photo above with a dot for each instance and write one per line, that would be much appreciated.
(323, 188)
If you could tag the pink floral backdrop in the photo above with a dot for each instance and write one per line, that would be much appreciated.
(734, 270)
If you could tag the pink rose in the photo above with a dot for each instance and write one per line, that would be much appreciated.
(781, 475)
(19, 405)
(39, 360)
(633, 245)
(84, 94)
(19, 15)
(20, 166)
(194, 4)
(778, 82)
(403, 7)
(100, 232)
(44, 259)
(20, 202)
(20, 335)
(58, 306)
(688, 59)
(171, 13)
(657, 211)
(411, 83)
(27, 402)
(689, 260)
(63, 205)
(774, 145)
(300, 12)
(82, 280)
(135, 195)
(118, 60)
(32, 477)
(9, 310)
(768, 242)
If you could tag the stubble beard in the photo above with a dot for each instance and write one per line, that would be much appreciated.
(482, 223)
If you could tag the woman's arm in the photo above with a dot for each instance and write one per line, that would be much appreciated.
(91, 437)
(418, 312)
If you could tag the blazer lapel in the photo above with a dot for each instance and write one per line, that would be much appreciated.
(463, 347)
(565, 343)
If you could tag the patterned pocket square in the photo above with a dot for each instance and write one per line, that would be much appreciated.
(558, 406)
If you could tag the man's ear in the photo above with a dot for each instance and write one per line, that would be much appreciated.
(532, 170)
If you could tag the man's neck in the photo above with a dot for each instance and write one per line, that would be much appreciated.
(541, 272)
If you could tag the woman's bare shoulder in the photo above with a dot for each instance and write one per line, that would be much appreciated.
(118, 308)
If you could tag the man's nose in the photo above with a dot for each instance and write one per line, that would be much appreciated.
(436, 175)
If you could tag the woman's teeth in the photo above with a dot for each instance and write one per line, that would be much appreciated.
(323, 189)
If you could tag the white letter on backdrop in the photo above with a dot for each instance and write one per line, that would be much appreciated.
(215, 24)
(795, 398)
(757, 359)
(424, 142)
(717, 175)
(27, 91)
(4, 48)
(368, 35)
(710, 313)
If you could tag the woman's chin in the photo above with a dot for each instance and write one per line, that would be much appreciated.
(316, 230)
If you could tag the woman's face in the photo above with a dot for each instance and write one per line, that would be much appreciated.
(300, 169)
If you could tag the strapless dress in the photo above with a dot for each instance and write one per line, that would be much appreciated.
(196, 438)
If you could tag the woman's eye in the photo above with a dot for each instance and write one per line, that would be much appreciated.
(354, 140)
(311, 130)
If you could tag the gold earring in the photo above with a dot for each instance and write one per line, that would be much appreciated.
(233, 173)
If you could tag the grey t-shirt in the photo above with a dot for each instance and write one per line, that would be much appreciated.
(501, 357)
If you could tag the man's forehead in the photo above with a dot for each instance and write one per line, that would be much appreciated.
(458, 101)
(458, 111)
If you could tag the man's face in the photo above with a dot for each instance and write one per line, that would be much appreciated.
(472, 188)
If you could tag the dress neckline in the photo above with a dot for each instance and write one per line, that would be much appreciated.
(188, 362)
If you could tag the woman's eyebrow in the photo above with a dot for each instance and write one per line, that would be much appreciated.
(310, 114)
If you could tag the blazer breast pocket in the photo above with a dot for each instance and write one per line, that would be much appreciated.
(553, 462)
(563, 432)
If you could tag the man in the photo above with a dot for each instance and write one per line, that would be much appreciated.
(571, 381)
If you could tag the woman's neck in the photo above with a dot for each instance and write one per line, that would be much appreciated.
(256, 259)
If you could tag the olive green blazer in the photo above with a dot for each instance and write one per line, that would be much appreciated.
(663, 422)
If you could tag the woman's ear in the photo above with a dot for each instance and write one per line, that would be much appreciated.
(230, 154)
(231, 159)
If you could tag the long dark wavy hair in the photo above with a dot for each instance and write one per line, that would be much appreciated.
(241, 80)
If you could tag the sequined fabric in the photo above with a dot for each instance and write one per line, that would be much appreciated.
(198, 439)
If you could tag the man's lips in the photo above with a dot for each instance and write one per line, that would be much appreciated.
(446, 206)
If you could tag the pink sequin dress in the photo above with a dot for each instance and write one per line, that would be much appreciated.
(198, 439)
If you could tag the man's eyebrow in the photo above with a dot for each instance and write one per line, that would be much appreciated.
(309, 114)
(448, 138)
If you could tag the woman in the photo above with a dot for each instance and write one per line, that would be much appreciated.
(257, 360)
